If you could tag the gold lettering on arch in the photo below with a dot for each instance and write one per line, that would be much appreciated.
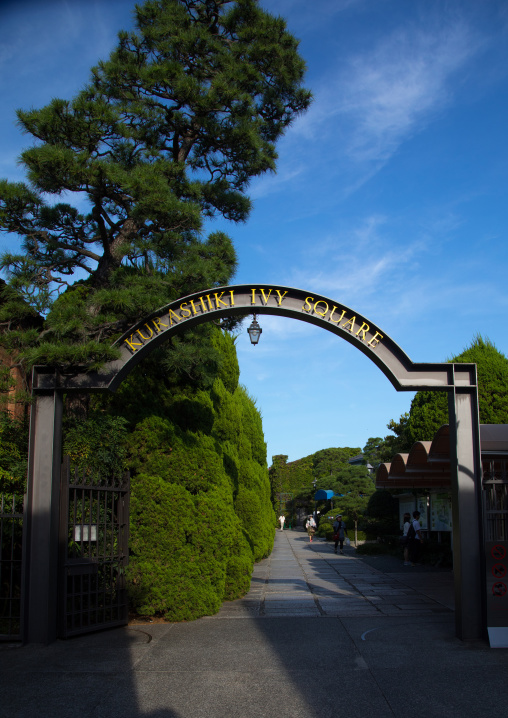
(220, 300)
(336, 321)
(321, 314)
(351, 322)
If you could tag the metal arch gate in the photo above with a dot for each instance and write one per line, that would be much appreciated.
(94, 540)
(459, 381)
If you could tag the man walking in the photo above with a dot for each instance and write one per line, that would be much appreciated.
(339, 532)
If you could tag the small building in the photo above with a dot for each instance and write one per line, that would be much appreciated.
(422, 479)
(359, 460)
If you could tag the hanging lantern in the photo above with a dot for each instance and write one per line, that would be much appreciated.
(254, 331)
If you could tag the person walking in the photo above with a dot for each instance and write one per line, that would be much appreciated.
(415, 539)
(339, 532)
(282, 519)
(310, 525)
(405, 544)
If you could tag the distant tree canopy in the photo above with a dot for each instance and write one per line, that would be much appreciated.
(429, 409)
(296, 477)
(327, 462)
(354, 487)
(351, 478)
(169, 130)
(377, 450)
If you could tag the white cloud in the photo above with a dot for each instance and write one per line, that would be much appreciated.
(369, 103)
(354, 264)
(380, 98)
(268, 183)
(393, 91)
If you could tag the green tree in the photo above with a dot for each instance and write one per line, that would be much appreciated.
(121, 179)
(377, 450)
(382, 516)
(169, 130)
(429, 409)
(279, 473)
(296, 477)
(13, 453)
(326, 462)
(353, 488)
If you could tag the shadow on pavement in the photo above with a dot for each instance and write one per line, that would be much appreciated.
(249, 665)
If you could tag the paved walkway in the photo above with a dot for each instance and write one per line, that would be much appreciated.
(317, 636)
(308, 579)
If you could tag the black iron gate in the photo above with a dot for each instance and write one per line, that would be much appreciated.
(94, 537)
(495, 519)
(11, 551)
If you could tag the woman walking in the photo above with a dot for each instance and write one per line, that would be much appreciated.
(311, 527)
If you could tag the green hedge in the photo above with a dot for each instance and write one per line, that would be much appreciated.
(200, 495)
(182, 573)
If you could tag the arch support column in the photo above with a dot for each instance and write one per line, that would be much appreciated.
(40, 543)
(466, 474)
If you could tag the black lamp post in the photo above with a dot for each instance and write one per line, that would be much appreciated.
(254, 331)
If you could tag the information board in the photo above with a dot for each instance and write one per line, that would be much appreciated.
(440, 512)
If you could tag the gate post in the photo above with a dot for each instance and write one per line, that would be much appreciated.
(466, 475)
(42, 514)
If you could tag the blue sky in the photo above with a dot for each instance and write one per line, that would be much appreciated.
(390, 195)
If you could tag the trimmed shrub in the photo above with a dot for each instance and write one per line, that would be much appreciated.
(325, 529)
(13, 453)
(201, 511)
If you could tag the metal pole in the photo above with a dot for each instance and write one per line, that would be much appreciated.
(466, 473)
(42, 519)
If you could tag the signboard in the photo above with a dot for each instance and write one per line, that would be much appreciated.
(440, 512)
(496, 564)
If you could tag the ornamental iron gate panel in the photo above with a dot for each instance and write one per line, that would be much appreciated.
(94, 537)
(11, 549)
(495, 521)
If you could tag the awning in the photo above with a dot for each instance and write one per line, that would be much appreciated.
(323, 495)
(427, 465)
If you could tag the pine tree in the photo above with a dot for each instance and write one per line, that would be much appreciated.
(169, 131)
(353, 488)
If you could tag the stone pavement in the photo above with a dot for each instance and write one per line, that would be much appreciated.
(317, 636)
(308, 579)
